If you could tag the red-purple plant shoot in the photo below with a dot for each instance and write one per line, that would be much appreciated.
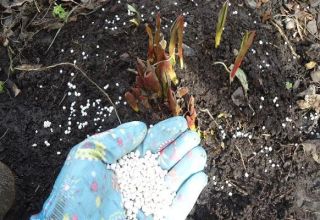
(245, 45)
(192, 114)
(132, 101)
(173, 105)
(150, 80)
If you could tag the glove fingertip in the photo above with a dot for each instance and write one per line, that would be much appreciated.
(187, 196)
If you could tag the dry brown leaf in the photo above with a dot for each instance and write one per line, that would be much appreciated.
(182, 92)
(310, 102)
(312, 148)
(266, 16)
(310, 65)
(9, 4)
(261, 2)
(311, 90)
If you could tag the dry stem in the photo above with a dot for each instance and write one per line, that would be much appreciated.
(241, 156)
(285, 38)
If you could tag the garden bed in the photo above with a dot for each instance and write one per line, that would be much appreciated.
(256, 166)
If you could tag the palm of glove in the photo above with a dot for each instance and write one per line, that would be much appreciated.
(86, 189)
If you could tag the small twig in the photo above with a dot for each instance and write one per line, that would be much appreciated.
(210, 115)
(10, 52)
(251, 108)
(313, 34)
(47, 10)
(299, 28)
(241, 156)
(92, 11)
(37, 188)
(238, 188)
(285, 38)
(82, 72)
(55, 36)
(4, 134)
(64, 96)
(58, 31)
(36, 4)
(280, 196)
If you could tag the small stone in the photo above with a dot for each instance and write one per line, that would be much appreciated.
(124, 57)
(188, 51)
(238, 97)
(312, 26)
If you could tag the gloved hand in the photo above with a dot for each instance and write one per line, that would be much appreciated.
(86, 190)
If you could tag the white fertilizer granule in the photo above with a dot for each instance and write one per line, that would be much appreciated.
(142, 184)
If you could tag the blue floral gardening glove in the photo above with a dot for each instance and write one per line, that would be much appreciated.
(85, 189)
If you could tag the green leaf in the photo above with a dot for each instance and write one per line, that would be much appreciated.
(242, 77)
(60, 12)
(133, 9)
(289, 85)
(176, 38)
(2, 87)
(137, 20)
(221, 23)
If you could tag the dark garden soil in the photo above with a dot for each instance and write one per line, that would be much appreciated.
(256, 166)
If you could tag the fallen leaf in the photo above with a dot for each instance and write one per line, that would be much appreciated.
(310, 102)
(240, 74)
(310, 65)
(312, 148)
(311, 90)
(12, 87)
(267, 15)
(312, 27)
(315, 76)
(182, 92)
(9, 3)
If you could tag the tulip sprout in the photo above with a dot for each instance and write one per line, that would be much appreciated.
(221, 23)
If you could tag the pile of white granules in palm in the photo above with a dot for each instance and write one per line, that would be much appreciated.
(142, 184)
